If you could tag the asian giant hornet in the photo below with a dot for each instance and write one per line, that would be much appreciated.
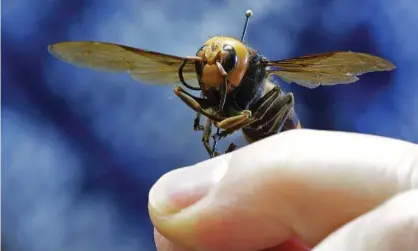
(232, 77)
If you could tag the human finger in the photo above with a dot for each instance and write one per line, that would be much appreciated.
(164, 244)
(302, 183)
(390, 227)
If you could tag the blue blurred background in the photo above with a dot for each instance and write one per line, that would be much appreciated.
(81, 149)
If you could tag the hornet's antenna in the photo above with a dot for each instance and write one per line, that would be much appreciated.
(248, 14)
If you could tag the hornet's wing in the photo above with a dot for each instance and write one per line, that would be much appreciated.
(148, 67)
(327, 68)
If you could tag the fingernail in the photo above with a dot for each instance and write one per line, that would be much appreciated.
(185, 186)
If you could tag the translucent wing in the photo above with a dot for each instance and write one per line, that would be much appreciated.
(328, 68)
(145, 66)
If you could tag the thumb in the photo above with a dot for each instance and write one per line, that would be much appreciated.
(300, 183)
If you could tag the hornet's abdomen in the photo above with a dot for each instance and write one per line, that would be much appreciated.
(253, 134)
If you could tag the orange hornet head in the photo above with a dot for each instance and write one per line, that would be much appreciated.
(231, 55)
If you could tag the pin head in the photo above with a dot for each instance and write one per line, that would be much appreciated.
(248, 14)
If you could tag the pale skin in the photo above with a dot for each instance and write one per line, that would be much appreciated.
(298, 190)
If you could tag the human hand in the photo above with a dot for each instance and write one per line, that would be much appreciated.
(331, 191)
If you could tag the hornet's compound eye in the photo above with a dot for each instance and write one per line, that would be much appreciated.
(229, 57)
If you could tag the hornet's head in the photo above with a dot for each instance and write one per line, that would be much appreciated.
(222, 54)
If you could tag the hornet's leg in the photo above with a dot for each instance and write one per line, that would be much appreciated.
(223, 93)
(231, 148)
(261, 108)
(196, 125)
(234, 120)
(203, 106)
(206, 137)
(187, 98)
(264, 105)
(245, 118)
(199, 105)
(229, 122)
